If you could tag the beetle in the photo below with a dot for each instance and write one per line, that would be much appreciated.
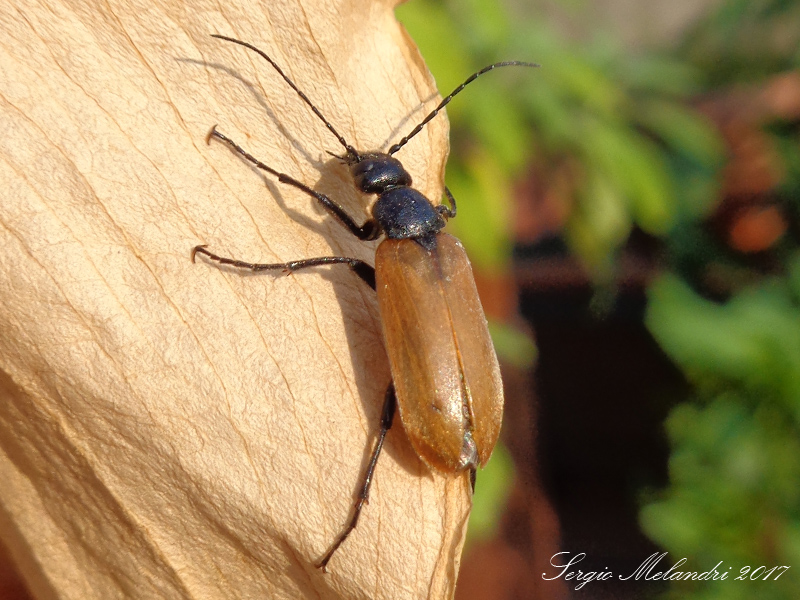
(445, 375)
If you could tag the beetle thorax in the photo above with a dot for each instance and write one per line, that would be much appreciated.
(401, 211)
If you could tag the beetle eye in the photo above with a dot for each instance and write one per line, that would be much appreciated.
(365, 166)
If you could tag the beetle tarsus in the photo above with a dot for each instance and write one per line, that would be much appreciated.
(197, 249)
(211, 133)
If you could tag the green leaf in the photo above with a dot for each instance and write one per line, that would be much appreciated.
(635, 165)
(684, 130)
(600, 222)
(482, 189)
(439, 41)
(492, 488)
(513, 346)
(753, 340)
(499, 126)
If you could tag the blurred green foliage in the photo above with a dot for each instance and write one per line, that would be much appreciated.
(734, 490)
(744, 40)
(496, 481)
(639, 156)
(735, 465)
(618, 122)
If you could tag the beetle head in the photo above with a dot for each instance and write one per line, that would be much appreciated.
(374, 173)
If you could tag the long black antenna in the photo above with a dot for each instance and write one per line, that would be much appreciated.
(446, 101)
(350, 150)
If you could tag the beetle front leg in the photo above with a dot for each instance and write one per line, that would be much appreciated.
(370, 230)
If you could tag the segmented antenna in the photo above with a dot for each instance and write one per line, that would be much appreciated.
(446, 101)
(350, 150)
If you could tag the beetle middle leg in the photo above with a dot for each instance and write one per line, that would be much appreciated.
(447, 212)
(387, 415)
(364, 270)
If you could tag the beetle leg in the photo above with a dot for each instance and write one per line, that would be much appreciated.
(370, 230)
(389, 407)
(365, 271)
(447, 213)
(472, 475)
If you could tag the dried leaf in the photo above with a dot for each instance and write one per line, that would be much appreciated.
(174, 430)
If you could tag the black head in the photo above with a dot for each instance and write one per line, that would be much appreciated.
(375, 172)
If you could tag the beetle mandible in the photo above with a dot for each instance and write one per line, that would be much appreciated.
(445, 375)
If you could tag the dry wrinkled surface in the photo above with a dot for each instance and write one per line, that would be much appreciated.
(173, 430)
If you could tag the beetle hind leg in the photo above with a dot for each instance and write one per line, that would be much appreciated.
(387, 416)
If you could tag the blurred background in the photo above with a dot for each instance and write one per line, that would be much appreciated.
(631, 210)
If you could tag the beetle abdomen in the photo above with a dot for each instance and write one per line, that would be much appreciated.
(442, 359)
